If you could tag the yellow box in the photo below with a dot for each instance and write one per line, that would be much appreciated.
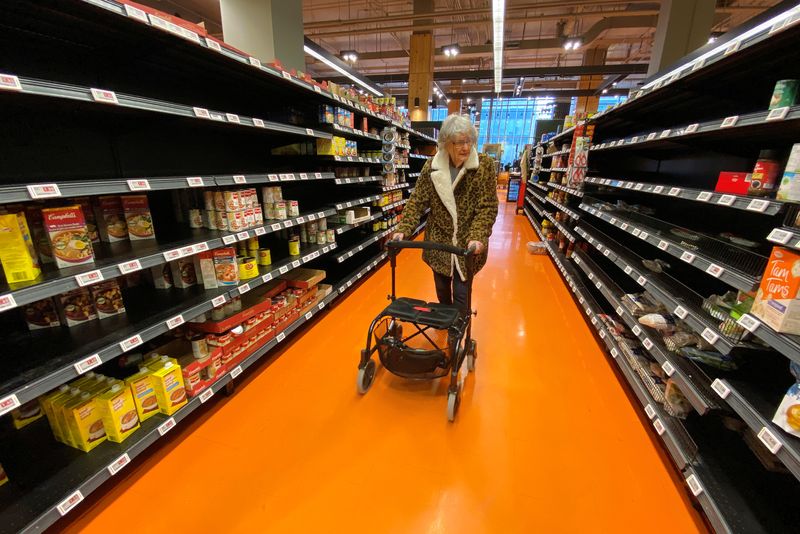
(59, 406)
(118, 412)
(85, 423)
(326, 147)
(3, 476)
(46, 401)
(144, 396)
(157, 361)
(170, 391)
(17, 253)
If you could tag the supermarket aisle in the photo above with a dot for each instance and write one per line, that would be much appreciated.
(545, 441)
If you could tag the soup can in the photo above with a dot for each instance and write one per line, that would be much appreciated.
(294, 246)
(199, 347)
(330, 236)
(264, 256)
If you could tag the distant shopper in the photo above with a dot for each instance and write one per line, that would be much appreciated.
(460, 187)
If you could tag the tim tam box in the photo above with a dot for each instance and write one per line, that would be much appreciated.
(777, 302)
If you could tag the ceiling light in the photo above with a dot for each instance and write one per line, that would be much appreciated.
(317, 55)
(463, 81)
(605, 91)
(448, 100)
(451, 50)
(469, 100)
(498, 20)
(351, 56)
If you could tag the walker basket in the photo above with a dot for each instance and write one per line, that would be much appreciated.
(422, 354)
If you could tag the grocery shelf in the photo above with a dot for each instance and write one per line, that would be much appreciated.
(786, 344)
(563, 208)
(340, 229)
(735, 266)
(345, 159)
(538, 185)
(110, 99)
(403, 166)
(358, 202)
(419, 156)
(559, 153)
(361, 245)
(537, 196)
(242, 179)
(404, 147)
(536, 227)
(566, 189)
(682, 301)
(757, 414)
(786, 236)
(358, 180)
(694, 386)
(114, 260)
(352, 132)
(536, 208)
(563, 229)
(394, 187)
(757, 205)
(393, 205)
(414, 175)
(560, 135)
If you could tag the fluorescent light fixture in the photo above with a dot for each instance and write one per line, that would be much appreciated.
(766, 25)
(605, 91)
(498, 20)
(469, 100)
(573, 44)
(451, 50)
(313, 53)
(351, 56)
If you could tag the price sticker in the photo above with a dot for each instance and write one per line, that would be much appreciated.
(73, 500)
(284, 269)
(303, 176)
(710, 336)
(614, 353)
(228, 239)
(325, 250)
(236, 371)
(659, 426)
(254, 61)
(241, 236)
(652, 136)
(668, 368)
(207, 394)
(681, 312)
(779, 236)
(232, 117)
(688, 257)
(280, 337)
(286, 75)
(171, 255)
(92, 277)
(638, 187)
(211, 43)
(694, 485)
(720, 388)
(732, 48)
(115, 466)
(704, 196)
(135, 13)
(317, 89)
(39, 191)
(594, 321)
(7, 302)
(637, 330)
(715, 270)
(139, 185)
(201, 113)
(674, 192)
(628, 269)
(295, 264)
(104, 96)
(309, 131)
(699, 64)
(664, 133)
(624, 226)
(602, 334)
(692, 128)
(259, 123)
(749, 322)
(175, 322)
(658, 189)
(131, 342)
(642, 281)
(244, 288)
(758, 205)
(598, 285)
(260, 230)
(650, 411)
(186, 251)
(643, 235)
(728, 122)
(275, 227)
(308, 315)
(287, 224)
(266, 278)
(166, 426)
(726, 200)
(769, 440)
(648, 344)
(318, 175)
(663, 245)
(216, 302)
(195, 181)
(87, 364)
(778, 114)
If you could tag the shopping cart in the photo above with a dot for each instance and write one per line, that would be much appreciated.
(439, 340)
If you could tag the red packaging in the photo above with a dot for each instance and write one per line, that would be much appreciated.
(138, 217)
(68, 236)
(735, 183)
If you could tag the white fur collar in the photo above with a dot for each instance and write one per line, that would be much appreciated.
(441, 161)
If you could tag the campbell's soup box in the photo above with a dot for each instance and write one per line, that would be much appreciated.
(68, 236)
(138, 217)
(776, 301)
(89, 216)
(111, 219)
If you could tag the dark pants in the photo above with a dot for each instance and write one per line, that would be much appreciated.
(449, 289)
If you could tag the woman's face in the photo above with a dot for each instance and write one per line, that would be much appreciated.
(458, 148)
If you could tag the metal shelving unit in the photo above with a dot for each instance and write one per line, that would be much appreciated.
(357, 202)
(358, 180)
(563, 208)
(786, 344)
(538, 186)
(566, 189)
(563, 229)
(361, 245)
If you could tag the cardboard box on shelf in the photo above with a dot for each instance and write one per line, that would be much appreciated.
(118, 412)
(735, 183)
(303, 277)
(76, 307)
(144, 395)
(27, 414)
(225, 266)
(162, 276)
(85, 423)
(183, 273)
(204, 269)
(107, 298)
(167, 382)
(138, 217)
(68, 235)
(17, 251)
(777, 302)
(41, 314)
(110, 219)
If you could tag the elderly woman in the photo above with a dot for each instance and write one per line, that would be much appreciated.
(459, 186)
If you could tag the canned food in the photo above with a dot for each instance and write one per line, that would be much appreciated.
(330, 236)
(208, 200)
(294, 208)
(280, 210)
(322, 224)
(264, 256)
(321, 238)
(294, 246)
(211, 219)
(247, 268)
(219, 201)
(199, 347)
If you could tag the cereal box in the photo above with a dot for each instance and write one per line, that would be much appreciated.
(41, 314)
(138, 217)
(776, 301)
(110, 219)
(144, 396)
(85, 423)
(225, 266)
(118, 411)
(168, 385)
(17, 252)
(77, 306)
(68, 235)
(107, 299)
(183, 273)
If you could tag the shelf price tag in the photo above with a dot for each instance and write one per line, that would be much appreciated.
(228, 239)
(309, 131)
(87, 364)
(694, 485)
(7, 302)
(663, 245)
(39, 191)
(637, 330)
(704, 196)
(732, 48)
(234, 118)
(104, 96)
(259, 123)
(260, 231)
(758, 205)
(73, 500)
(647, 343)
(308, 316)
(715, 270)
(239, 179)
(643, 235)
(778, 114)
(668, 368)
(139, 185)
(628, 269)
(664, 133)
(92, 277)
(749, 322)
(658, 189)
(699, 64)
(769, 440)
(710, 336)
(173, 254)
(681, 312)
(692, 128)
(195, 181)
(650, 411)
(211, 43)
(201, 113)
(729, 122)
(236, 371)
(284, 269)
(659, 426)
(286, 75)
(280, 337)
(275, 227)
(614, 353)
(624, 226)
(720, 388)
(207, 394)
(726, 200)
(115, 466)
(216, 302)
(779, 236)
(130, 343)
(254, 61)
(318, 175)
(674, 192)
(688, 257)
(241, 236)
(175, 322)
(166, 426)
(652, 136)
(642, 281)
(266, 278)
(244, 288)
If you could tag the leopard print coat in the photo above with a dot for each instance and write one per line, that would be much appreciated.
(461, 211)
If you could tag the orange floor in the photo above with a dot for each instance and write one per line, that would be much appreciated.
(546, 439)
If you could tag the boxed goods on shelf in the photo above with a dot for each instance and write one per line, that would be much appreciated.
(110, 217)
(138, 217)
(76, 307)
(118, 412)
(790, 182)
(167, 381)
(776, 302)
(26, 414)
(144, 395)
(17, 252)
(107, 299)
(41, 314)
(68, 236)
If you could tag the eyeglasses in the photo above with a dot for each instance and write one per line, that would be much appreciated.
(461, 144)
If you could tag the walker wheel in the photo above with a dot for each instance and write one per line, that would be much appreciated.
(366, 375)
(472, 355)
(453, 402)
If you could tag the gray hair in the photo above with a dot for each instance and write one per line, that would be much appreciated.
(455, 125)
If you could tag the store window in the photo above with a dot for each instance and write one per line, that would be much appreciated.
(437, 114)
(512, 122)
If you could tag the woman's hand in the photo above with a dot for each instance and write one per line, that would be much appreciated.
(477, 246)
(398, 236)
